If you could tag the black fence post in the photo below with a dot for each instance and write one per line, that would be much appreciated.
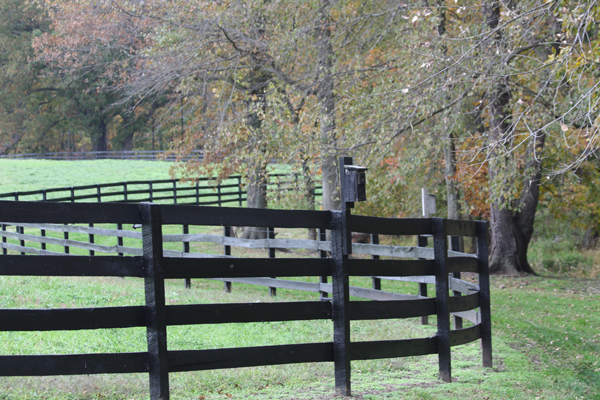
(4, 250)
(271, 235)
(455, 246)
(239, 179)
(198, 192)
(375, 280)
(440, 249)
(125, 192)
(43, 231)
(341, 299)
(98, 193)
(91, 237)
(324, 296)
(154, 286)
(227, 252)
(150, 195)
(174, 191)
(484, 293)
(119, 239)
(422, 242)
(186, 249)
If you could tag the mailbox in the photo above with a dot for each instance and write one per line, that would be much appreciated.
(354, 184)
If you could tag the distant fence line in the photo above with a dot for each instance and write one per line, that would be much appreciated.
(203, 192)
(150, 155)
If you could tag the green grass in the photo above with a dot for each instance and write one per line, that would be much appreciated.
(546, 330)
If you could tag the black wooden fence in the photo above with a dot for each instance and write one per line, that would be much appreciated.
(150, 155)
(154, 267)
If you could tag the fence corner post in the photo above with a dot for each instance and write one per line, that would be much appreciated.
(341, 299)
(440, 251)
(154, 287)
(484, 293)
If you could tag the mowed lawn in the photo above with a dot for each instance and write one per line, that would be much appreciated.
(546, 330)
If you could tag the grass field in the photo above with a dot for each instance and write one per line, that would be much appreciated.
(546, 336)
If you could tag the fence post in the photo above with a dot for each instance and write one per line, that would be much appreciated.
(150, 195)
(98, 193)
(440, 251)
(341, 299)
(227, 252)
(422, 242)
(20, 229)
(174, 191)
(198, 192)
(186, 249)
(271, 235)
(125, 192)
(4, 250)
(455, 246)
(323, 279)
(484, 293)
(119, 239)
(154, 285)
(239, 178)
(376, 281)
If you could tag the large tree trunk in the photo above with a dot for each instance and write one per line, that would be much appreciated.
(329, 166)
(257, 174)
(100, 142)
(511, 219)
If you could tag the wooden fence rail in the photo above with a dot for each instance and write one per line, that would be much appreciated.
(153, 265)
(150, 155)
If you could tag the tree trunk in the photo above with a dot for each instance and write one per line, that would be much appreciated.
(511, 219)
(100, 142)
(329, 166)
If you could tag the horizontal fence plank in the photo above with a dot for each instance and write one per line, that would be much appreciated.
(379, 295)
(463, 303)
(472, 316)
(462, 264)
(80, 229)
(72, 319)
(68, 213)
(390, 226)
(176, 268)
(463, 336)
(461, 228)
(23, 265)
(73, 364)
(226, 216)
(198, 360)
(366, 310)
(282, 284)
(247, 312)
(393, 348)
(362, 267)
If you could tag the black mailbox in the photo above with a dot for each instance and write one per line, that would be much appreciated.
(354, 185)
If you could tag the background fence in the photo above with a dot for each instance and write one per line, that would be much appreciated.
(154, 265)
(150, 155)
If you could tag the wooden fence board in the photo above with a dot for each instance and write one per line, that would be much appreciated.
(463, 303)
(365, 267)
(462, 264)
(367, 310)
(390, 226)
(461, 228)
(176, 268)
(225, 216)
(247, 312)
(393, 348)
(198, 360)
(68, 213)
(466, 335)
(72, 319)
(19, 265)
(73, 364)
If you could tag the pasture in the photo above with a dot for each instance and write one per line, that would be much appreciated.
(545, 333)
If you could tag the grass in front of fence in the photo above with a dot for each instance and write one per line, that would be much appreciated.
(26, 175)
(546, 345)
